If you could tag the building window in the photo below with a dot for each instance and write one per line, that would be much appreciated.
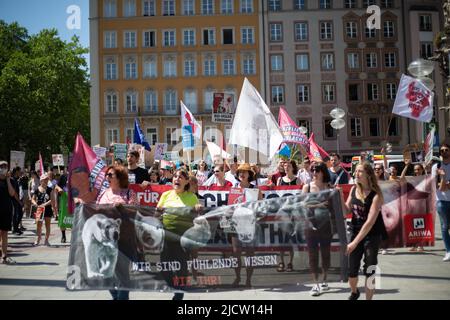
(151, 101)
(301, 31)
(189, 37)
(169, 38)
(131, 69)
(209, 37)
(306, 124)
(111, 71)
(188, 7)
(247, 35)
(207, 7)
(277, 94)
(276, 31)
(109, 8)
(276, 62)
(351, 29)
(374, 127)
(130, 39)
(150, 68)
(350, 4)
(325, 4)
(171, 136)
(274, 5)
(371, 60)
(326, 30)
(302, 62)
(226, 6)
(329, 93)
(149, 39)
(113, 136)
(387, 4)
(129, 135)
(168, 7)
(246, 6)
(209, 66)
(353, 92)
(170, 67)
(110, 39)
(249, 65)
(190, 100)
(327, 61)
(152, 136)
(302, 93)
(353, 60)
(388, 28)
(355, 127)
(149, 8)
(370, 33)
(189, 67)
(425, 23)
(111, 102)
(389, 60)
(391, 91)
(372, 91)
(394, 127)
(426, 50)
(367, 3)
(208, 98)
(228, 67)
(227, 36)
(170, 102)
(129, 8)
(299, 4)
(131, 102)
(330, 133)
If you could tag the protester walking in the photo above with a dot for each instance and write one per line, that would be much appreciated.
(42, 200)
(7, 192)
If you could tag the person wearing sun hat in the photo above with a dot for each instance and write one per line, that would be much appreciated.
(245, 175)
(42, 200)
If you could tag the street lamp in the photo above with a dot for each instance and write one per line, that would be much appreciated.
(337, 123)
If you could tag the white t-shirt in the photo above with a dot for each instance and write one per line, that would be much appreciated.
(442, 195)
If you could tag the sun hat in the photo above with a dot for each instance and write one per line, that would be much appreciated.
(246, 167)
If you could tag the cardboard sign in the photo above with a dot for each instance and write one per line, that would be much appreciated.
(223, 108)
(160, 150)
(17, 159)
(58, 159)
(100, 151)
(172, 156)
(414, 152)
(120, 151)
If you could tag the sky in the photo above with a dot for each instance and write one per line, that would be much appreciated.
(36, 15)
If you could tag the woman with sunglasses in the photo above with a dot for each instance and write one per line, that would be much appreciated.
(367, 227)
(219, 174)
(442, 173)
(118, 193)
(318, 237)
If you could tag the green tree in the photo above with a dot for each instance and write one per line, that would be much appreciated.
(44, 92)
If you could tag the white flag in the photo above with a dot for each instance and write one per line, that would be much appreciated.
(215, 150)
(413, 100)
(253, 123)
(188, 120)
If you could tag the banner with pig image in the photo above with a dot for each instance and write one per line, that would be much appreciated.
(148, 249)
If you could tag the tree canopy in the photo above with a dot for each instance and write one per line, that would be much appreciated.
(44, 92)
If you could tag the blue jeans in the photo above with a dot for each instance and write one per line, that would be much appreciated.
(443, 209)
(120, 294)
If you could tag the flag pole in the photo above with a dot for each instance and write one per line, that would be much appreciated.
(386, 136)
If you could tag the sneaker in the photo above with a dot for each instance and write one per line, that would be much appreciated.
(447, 257)
(354, 296)
(8, 260)
(46, 243)
(324, 287)
(315, 291)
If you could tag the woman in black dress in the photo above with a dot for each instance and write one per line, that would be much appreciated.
(42, 200)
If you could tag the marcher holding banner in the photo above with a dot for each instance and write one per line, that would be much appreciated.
(317, 233)
(245, 175)
(175, 224)
(367, 227)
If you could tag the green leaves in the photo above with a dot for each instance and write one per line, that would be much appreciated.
(44, 92)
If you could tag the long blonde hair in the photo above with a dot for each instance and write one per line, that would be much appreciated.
(372, 180)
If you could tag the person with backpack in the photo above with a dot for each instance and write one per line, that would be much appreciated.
(338, 175)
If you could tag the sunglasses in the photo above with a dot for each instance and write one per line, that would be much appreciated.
(377, 169)
(110, 175)
(444, 150)
(315, 169)
(217, 171)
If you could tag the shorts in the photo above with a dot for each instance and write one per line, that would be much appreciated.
(368, 248)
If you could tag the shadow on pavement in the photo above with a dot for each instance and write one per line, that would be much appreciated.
(36, 263)
(32, 282)
(406, 276)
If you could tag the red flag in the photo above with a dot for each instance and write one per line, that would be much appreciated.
(315, 151)
(291, 132)
(86, 173)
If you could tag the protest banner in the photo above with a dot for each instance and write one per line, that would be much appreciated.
(100, 152)
(223, 108)
(58, 160)
(120, 151)
(65, 220)
(17, 159)
(139, 252)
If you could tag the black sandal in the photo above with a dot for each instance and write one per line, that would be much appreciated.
(280, 267)
(289, 267)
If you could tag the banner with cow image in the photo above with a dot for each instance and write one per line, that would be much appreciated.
(134, 247)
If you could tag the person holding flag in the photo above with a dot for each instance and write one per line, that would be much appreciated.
(190, 128)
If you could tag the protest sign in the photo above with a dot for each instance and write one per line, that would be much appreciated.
(17, 159)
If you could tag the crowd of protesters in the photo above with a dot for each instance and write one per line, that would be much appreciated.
(36, 194)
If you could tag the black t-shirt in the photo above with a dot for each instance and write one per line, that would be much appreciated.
(23, 181)
(138, 175)
(5, 199)
(343, 179)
